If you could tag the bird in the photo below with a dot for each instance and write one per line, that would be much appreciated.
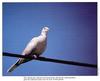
(35, 47)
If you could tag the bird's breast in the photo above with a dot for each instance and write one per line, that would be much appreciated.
(41, 45)
(40, 48)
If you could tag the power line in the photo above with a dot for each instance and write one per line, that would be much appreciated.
(51, 60)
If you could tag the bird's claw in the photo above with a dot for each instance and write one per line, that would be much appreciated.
(35, 56)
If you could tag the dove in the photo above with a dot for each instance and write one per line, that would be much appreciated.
(34, 48)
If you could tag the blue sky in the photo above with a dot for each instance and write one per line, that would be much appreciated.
(72, 36)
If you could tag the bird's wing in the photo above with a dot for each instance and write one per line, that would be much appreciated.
(29, 50)
(30, 46)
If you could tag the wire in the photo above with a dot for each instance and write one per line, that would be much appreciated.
(51, 60)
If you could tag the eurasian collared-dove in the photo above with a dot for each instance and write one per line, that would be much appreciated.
(34, 48)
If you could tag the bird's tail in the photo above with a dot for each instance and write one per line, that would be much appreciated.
(13, 67)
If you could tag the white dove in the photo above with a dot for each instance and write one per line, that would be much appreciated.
(34, 48)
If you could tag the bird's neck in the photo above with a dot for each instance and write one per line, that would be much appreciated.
(44, 34)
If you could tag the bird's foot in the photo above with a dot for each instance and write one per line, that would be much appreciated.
(35, 56)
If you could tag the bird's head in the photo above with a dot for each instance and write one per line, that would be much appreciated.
(45, 30)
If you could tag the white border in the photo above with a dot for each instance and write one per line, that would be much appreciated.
(20, 78)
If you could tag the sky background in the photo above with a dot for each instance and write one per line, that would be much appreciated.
(72, 36)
